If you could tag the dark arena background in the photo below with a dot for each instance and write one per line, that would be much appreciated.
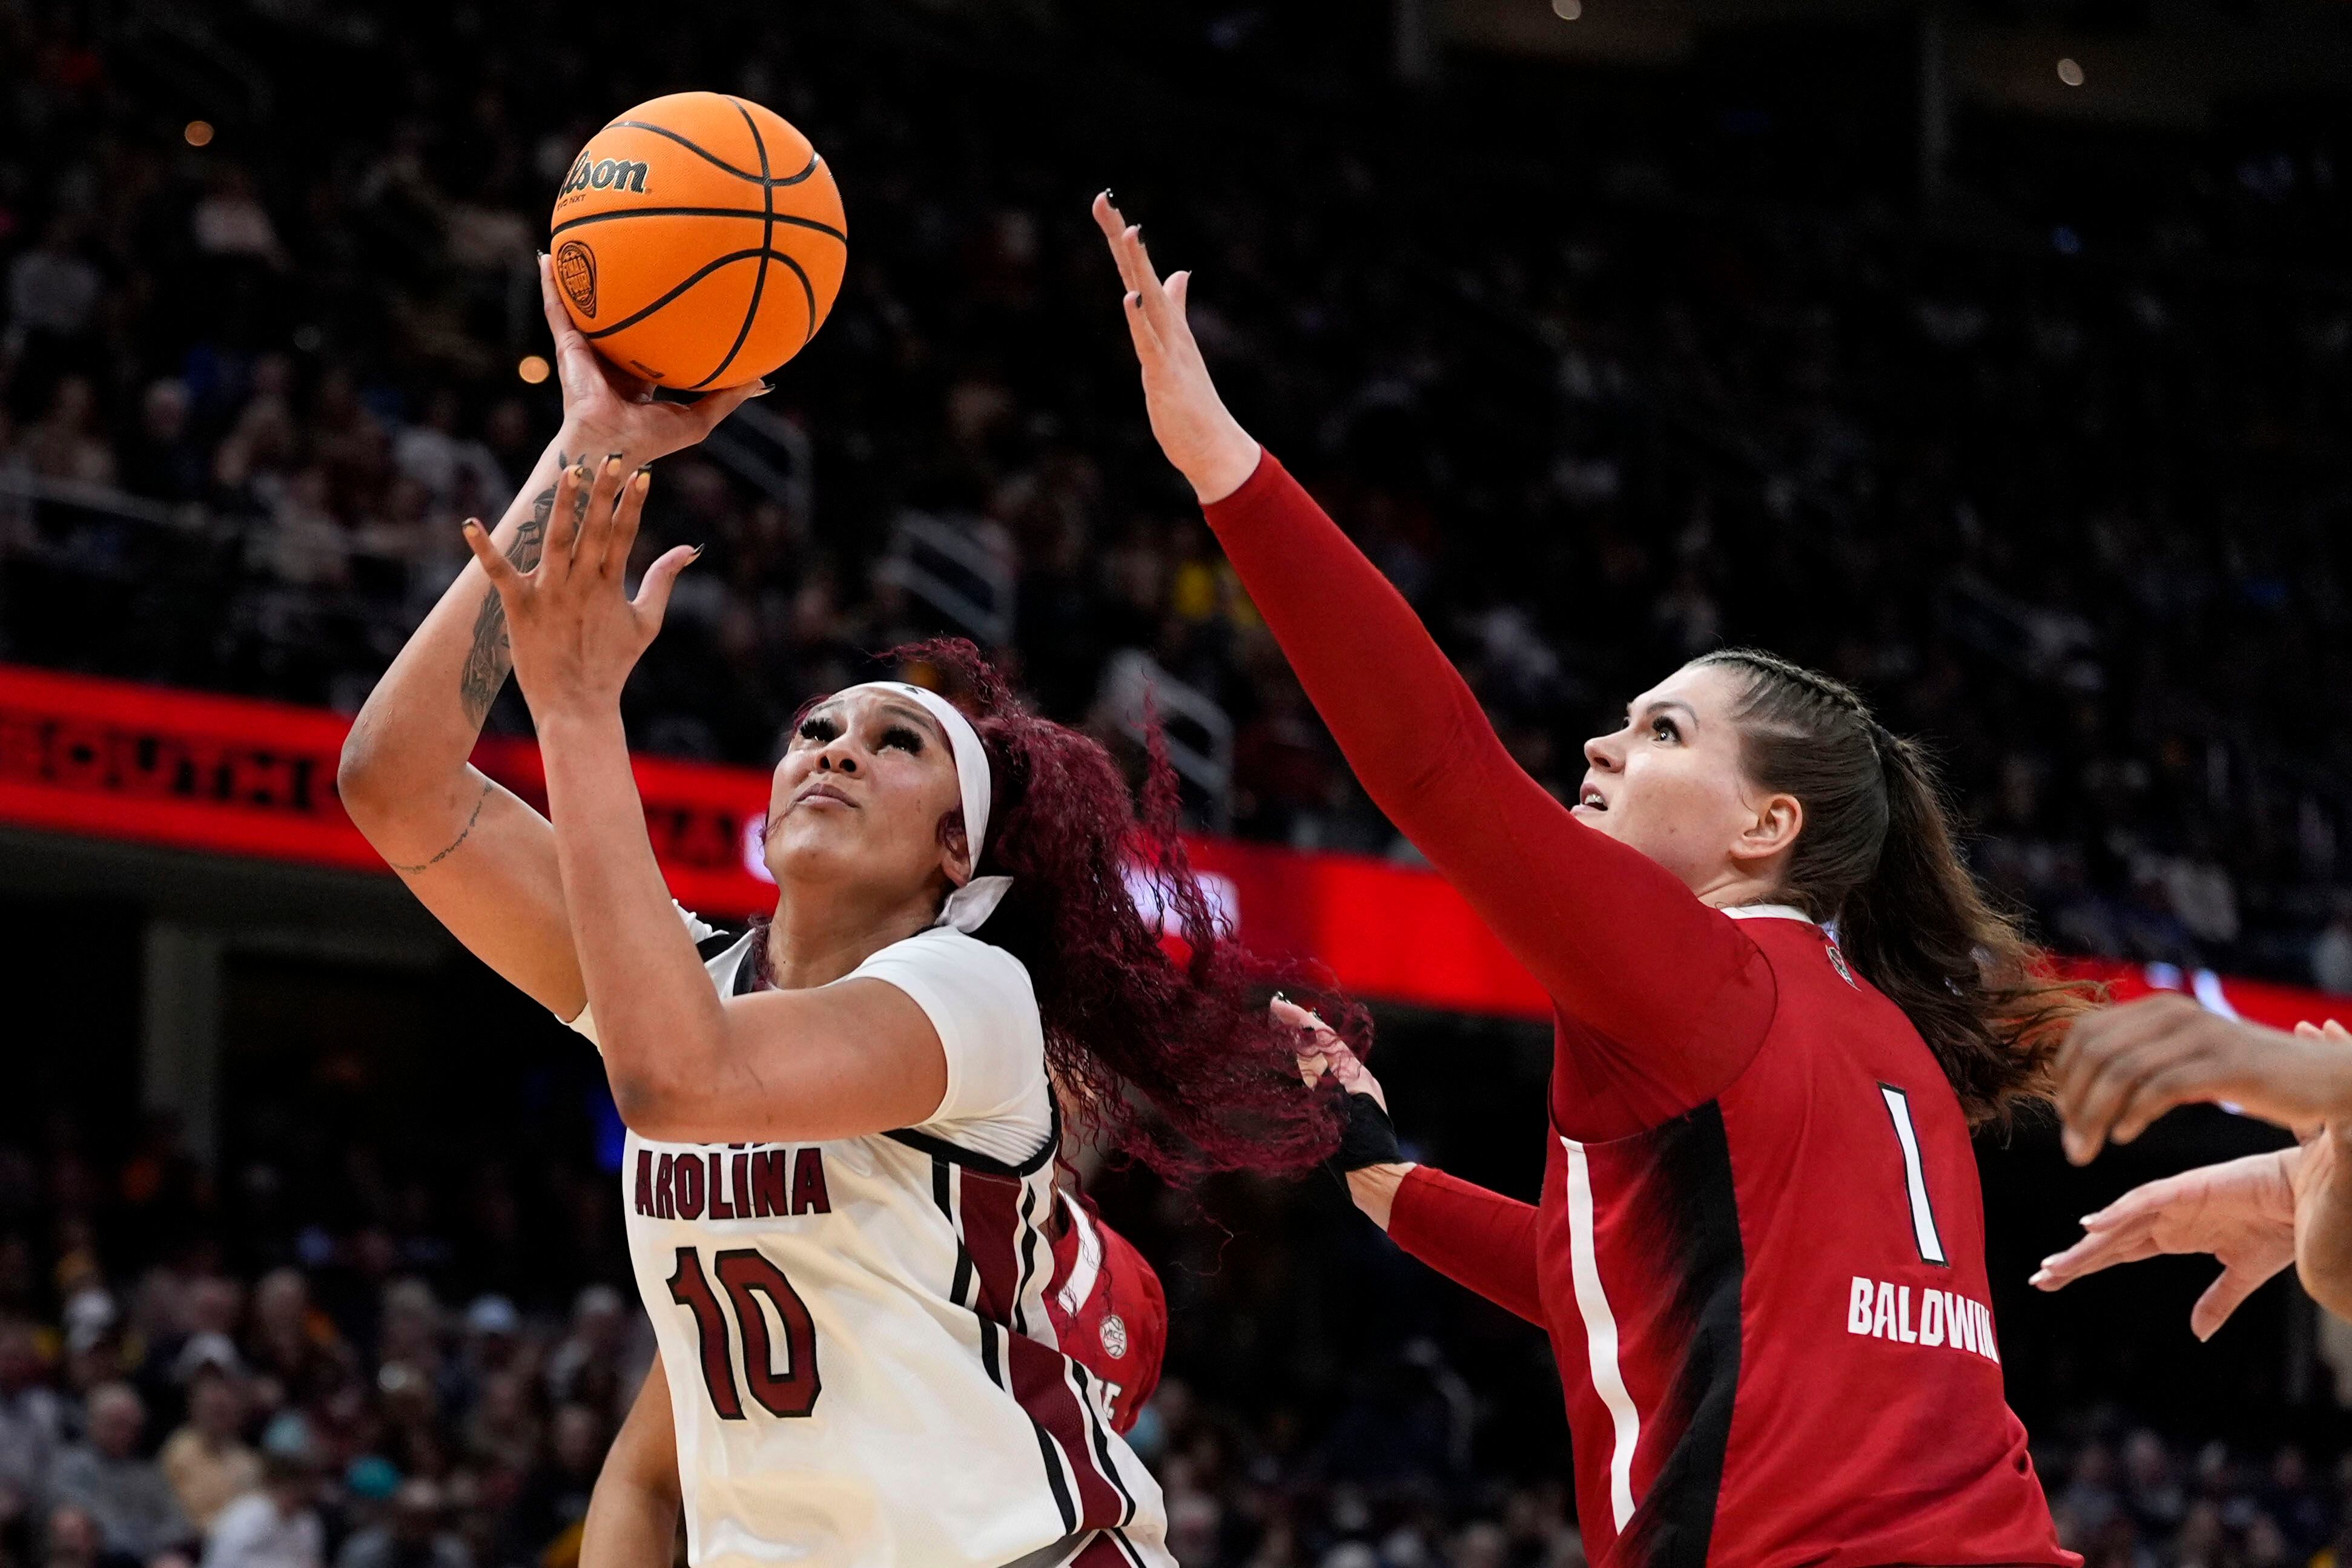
(1995, 355)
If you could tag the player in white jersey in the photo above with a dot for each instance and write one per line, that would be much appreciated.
(898, 1280)
(841, 1125)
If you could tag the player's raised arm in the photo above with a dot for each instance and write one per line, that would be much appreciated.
(475, 854)
(1618, 941)
(817, 1060)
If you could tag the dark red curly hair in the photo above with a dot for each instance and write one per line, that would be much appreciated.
(1168, 1058)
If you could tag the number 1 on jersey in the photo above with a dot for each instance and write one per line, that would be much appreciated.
(1915, 1176)
(747, 1275)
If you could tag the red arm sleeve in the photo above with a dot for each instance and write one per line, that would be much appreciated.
(1662, 1001)
(1479, 1240)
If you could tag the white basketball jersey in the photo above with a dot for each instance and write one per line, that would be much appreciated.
(861, 1369)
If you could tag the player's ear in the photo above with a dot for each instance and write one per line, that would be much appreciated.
(1771, 829)
(955, 855)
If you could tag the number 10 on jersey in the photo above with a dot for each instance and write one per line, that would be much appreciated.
(754, 1285)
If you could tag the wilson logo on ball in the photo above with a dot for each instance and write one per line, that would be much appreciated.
(575, 269)
(604, 174)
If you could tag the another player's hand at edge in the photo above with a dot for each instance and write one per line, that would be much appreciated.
(605, 408)
(2122, 1067)
(2242, 1211)
(1201, 437)
(575, 631)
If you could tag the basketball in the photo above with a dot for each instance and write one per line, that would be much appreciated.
(698, 241)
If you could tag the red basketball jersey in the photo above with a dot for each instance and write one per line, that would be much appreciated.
(1109, 1311)
(1783, 1281)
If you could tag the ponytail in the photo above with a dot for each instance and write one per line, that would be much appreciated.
(1878, 855)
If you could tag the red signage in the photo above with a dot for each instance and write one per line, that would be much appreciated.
(188, 770)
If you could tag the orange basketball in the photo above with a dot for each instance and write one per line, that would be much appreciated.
(698, 241)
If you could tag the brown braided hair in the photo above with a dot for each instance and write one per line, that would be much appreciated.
(1878, 855)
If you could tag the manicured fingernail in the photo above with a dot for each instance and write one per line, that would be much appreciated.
(2037, 1276)
(613, 462)
(698, 552)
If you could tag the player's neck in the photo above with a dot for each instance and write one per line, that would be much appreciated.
(819, 935)
(1734, 891)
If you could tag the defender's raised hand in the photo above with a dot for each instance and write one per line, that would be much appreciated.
(1205, 440)
(576, 633)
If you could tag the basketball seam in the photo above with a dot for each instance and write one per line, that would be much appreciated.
(697, 276)
(763, 178)
(767, 236)
(699, 212)
(807, 289)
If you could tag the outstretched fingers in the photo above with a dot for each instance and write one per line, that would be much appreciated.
(2095, 1251)
(652, 601)
(2123, 1232)
(600, 522)
(1151, 294)
(626, 516)
(493, 560)
(572, 493)
(2225, 1295)
(1134, 271)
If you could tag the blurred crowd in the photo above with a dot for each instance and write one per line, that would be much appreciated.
(2055, 473)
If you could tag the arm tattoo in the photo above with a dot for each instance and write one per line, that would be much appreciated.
(491, 658)
(479, 801)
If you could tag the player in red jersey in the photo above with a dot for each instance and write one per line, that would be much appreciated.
(1108, 1310)
(1759, 1250)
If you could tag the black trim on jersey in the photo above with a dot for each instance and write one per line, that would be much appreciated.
(1102, 1442)
(1028, 1257)
(942, 1178)
(938, 1148)
(1118, 1539)
(1053, 1456)
(1686, 1198)
(992, 1358)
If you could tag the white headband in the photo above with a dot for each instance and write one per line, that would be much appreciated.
(969, 907)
